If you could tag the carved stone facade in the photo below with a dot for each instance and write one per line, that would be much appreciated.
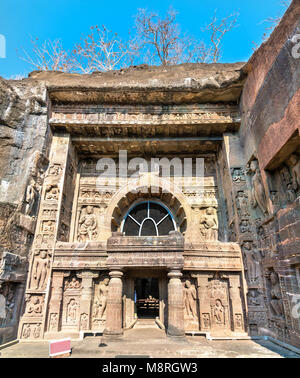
(226, 264)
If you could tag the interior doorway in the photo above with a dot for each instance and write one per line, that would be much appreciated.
(146, 297)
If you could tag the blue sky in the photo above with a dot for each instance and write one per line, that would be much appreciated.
(69, 19)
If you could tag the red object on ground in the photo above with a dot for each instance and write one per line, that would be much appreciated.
(58, 347)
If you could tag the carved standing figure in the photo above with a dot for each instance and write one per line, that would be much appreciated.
(276, 299)
(295, 168)
(101, 300)
(189, 297)
(72, 311)
(40, 269)
(30, 197)
(218, 311)
(251, 263)
(258, 191)
(87, 224)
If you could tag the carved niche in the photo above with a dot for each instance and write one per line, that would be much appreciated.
(71, 303)
(219, 304)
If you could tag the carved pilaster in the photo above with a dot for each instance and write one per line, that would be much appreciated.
(47, 231)
(55, 301)
(86, 298)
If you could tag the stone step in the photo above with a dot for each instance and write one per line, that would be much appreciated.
(145, 323)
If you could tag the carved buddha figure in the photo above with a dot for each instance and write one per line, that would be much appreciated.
(218, 312)
(30, 197)
(40, 268)
(189, 295)
(72, 311)
(276, 299)
(101, 299)
(258, 191)
(295, 168)
(87, 225)
(209, 225)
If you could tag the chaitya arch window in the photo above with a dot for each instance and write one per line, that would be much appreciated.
(148, 219)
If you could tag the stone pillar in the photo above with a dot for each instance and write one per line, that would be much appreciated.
(113, 326)
(175, 304)
(86, 299)
(56, 300)
(236, 303)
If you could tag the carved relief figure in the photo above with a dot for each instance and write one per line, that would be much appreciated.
(26, 331)
(87, 225)
(209, 225)
(73, 284)
(218, 312)
(190, 297)
(84, 321)
(258, 191)
(35, 306)
(53, 322)
(52, 192)
(242, 204)
(238, 320)
(30, 197)
(206, 321)
(101, 299)
(291, 195)
(252, 264)
(253, 298)
(276, 298)
(40, 269)
(72, 311)
(295, 168)
(37, 331)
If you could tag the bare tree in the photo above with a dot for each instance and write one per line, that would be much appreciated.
(217, 30)
(50, 55)
(274, 21)
(101, 50)
(157, 40)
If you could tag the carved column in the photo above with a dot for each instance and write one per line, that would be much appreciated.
(236, 303)
(113, 326)
(175, 304)
(56, 300)
(86, 298)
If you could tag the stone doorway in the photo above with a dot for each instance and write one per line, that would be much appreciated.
(146, 298)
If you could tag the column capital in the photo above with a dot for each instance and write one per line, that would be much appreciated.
(116, 273)
(175, 273)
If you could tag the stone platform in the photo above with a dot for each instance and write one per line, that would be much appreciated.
(154, 343)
